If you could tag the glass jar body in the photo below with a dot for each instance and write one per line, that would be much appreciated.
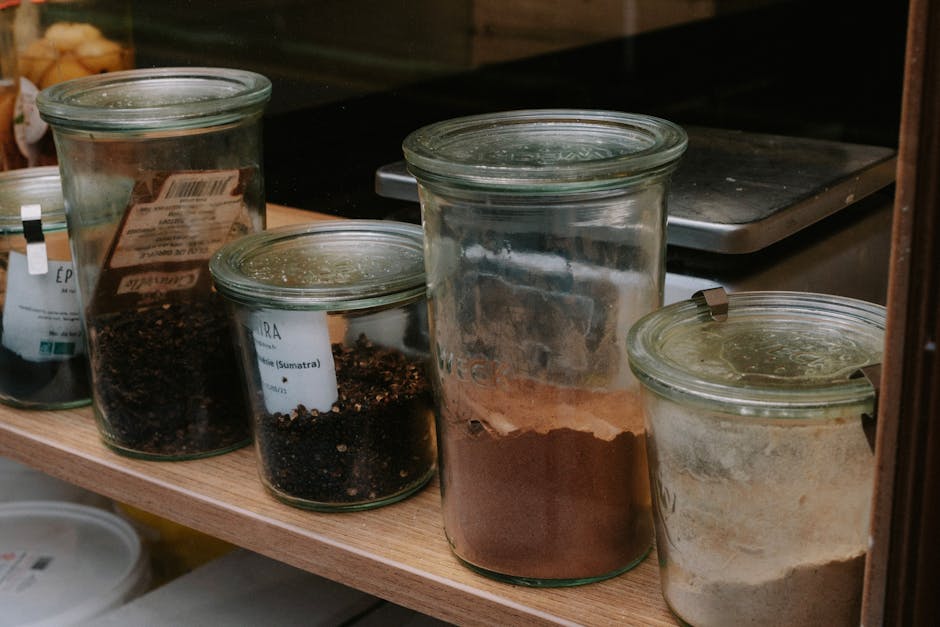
(543, 463)
(752, 513)
(43, 362)
(146, 210)
(341, 402)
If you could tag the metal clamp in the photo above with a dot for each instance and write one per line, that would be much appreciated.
(870, 421)
(716, 299)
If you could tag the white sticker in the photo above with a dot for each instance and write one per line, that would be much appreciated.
(190, 219)
(21, 570)
(295, 360)
(41, 315)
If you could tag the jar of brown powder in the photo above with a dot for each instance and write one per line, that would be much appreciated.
(544, 241)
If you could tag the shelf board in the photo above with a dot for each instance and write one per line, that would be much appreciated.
(397, 552)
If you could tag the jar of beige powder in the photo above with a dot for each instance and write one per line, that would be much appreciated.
(759, 424)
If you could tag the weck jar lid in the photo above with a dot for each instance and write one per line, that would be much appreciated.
(777, 354)
(543, 151)
(154, 99)
(31, 186)
(334, 265)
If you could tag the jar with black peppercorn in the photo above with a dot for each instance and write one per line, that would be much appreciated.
(330, 320)
(160, 168)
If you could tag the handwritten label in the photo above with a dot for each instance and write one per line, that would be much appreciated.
(295, 360)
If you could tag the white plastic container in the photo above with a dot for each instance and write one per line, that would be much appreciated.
(63, 563)
(244, 589)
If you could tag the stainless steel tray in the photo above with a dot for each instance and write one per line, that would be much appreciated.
(738, 192)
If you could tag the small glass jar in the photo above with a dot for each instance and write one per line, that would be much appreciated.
(159, 169)
(761, 469)
(331, 322)
(544, 241)
(43, 363)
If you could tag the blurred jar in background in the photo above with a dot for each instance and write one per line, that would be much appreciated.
(46, 42)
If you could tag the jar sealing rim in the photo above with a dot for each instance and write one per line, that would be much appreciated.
(154, 99)
(31, 186)
(778, 354)
(543, 150)
(325, 265)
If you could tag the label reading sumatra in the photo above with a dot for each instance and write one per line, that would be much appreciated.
(172, 226)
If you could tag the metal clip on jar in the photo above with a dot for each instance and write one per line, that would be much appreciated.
(545, 240)
(331, 322)
(761, 470)
(160, 168)
(43, 364)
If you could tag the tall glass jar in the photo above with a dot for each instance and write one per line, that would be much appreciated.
(544, 242)
(331, 323)
(761, 467)
(43, 362)
(159, 169)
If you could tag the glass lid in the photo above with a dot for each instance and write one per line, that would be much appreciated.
(781, 354)
(334, 265)
(549, 151)
(154, 99)
(31, 186)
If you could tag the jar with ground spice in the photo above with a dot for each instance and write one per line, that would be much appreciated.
(544, 242)
(331, 323)
(761, 462)
(43, 362)
(160, 168)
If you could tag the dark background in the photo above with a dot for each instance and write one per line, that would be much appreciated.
(351, 79)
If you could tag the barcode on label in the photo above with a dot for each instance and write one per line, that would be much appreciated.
(201, 187)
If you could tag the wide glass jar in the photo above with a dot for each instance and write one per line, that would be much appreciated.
(762, 472)
(43, 362)
(331, 322)
(544, 242)
(159, 169)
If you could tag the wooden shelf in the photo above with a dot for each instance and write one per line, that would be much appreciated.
(397, 552)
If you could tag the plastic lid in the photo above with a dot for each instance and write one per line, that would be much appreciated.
(778, 354)
(154, 99)
(62, 563)
(543, 151)
(31, 186)
(331, 265)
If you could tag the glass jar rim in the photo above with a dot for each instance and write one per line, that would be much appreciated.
(776, 327)
(154, 99)
(31, 186)
(546, 151)
(365, 264)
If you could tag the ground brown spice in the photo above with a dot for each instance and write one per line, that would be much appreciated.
(542, 503)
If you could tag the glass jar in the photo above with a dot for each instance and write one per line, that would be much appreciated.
(544, 241)
(43, 363)
(331, 322)
(55, 41)
(159, 169)
(761, 470)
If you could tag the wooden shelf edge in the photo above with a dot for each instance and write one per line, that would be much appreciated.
(397, 552)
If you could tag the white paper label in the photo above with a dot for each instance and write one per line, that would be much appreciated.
(41, 315)
(295, 360)
(190, 219)
(21, 570)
